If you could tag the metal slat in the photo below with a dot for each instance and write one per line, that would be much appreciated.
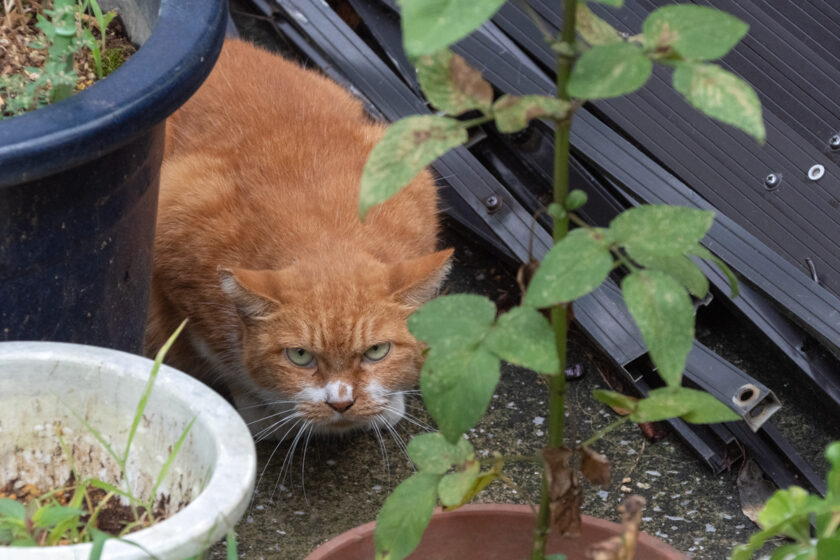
(394, 99)
(798, 220)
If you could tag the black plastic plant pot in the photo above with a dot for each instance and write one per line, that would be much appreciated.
(79, 184)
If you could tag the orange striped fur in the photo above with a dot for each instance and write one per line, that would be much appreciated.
(259, 244)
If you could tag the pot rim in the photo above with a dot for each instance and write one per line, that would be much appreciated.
(167, 69)
(227, 492)
(475, 510)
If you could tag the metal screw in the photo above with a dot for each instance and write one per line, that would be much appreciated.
(834, 142)
(816, 172)
(772, 181)
(492, 203)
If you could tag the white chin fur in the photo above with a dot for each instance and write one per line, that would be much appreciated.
(271, 421)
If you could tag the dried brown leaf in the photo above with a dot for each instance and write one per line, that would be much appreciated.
(525, 273)
(563, 491)
(753, 489)
(595, 467)
(468, 80)
(623, 546)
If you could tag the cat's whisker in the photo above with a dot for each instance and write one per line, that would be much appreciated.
(276, 447)
(400, 441)
(378, 434)
(268, 403)
(403, 392)
(265, 432)
(303, 463)
(286, 412)
(411, 419)
(287, 462)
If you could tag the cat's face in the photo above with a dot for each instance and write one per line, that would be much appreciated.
(328, 342)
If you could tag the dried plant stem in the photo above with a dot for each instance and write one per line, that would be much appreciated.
(557, 383)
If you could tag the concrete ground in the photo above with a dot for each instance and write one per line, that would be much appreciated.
(343, 481)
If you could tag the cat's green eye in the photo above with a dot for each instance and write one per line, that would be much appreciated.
(378, 351)
(300, 357)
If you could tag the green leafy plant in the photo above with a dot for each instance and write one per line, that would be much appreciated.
(47, 520)
(791, 512)
(653, 247)
(103, 20)
(64, 37)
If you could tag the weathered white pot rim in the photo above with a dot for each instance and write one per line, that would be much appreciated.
(220, 504)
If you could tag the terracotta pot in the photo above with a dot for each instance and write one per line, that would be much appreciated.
(488, 532)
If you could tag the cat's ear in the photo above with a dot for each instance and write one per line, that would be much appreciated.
(416, 281)
(247, 290)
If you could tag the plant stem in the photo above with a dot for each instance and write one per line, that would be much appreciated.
(557, 383)
(61, 53)
(477, 121)
(511, 459)
(604, 431)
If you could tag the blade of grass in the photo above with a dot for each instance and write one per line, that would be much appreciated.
(230, 544)
(141, 406)
(168, 464)
(60, 529)
(91, 523)
(99, 539)
(99, 437)
(102, 485)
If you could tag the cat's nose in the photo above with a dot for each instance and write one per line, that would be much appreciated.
(341, 406)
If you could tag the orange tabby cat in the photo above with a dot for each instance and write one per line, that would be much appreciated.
(296, 307)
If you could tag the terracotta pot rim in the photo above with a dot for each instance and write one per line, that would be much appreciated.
(471, 510)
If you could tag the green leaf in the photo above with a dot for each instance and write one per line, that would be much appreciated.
(11, 508)
(556, 211)
(828, 547)
(609, 71)
(572, 268)
(683, 269)
(832, 453)
(457, 388)
(615, 400)
(660, 229)
(786, 510)
(404, 516)
(593, 29)
(576, 199)
(452, 323)
(453, 487)
(795, 551)
(481, 482)
(99, 539)
(49, 516)
(693, 32)
(703, 253)
(782, 505)
(408, 146)
(432, 454)
(557, 556)
(721, 95)
(663, 403)
(513, 112)
(707, 409)
(24, 540)
(665, 316)
(430, 25)
(524, 337)
(452, 85)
